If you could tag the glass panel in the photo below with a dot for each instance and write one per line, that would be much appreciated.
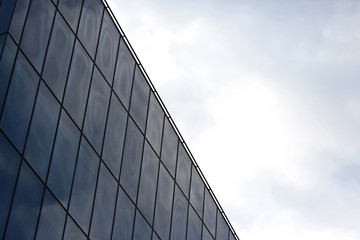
(183, 170)
(164, 204)
(52, 219)
(104, 205)
(9, 166)
(197, 191)
(108, 46)
(222, 230)
(37, 31)
(148, 180)
(155, 237)
(18, 19)
(231, 236)
(139, 99)
(155, 124)
(210, 212)
(78, 84)
(84, 185)
(72, 231)
(194, 226)
(70, 9)
(142, 230)
(169, 147)
(114, 137)
(124, 74)
(90, 24)
(19, 102)
(6, 11)
(42, 131)
(130, 169)
(26, 205)
(179, 217)
(58, 57)
(206, 235)
(63, 160)
(124, 217)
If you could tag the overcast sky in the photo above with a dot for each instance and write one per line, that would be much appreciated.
(267, 96)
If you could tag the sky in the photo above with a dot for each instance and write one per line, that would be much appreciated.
(266, 95)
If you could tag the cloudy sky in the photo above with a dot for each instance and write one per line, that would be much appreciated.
(267, 97)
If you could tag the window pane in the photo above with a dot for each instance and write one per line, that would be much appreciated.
(180, 209)
(222, 230)
(72, 231)
(231, 236)
(18, 19)
(194, 226)
(183, 170)
(6, 11)
(58, 57)
(206, 235)
(155, 124)
(42, 131)
(142, 230)
(210, 212)
(37, 31)
(155, 237)
(19, 102)
(169, 147)
(70, 9)
(197, 191)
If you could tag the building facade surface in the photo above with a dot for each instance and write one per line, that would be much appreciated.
(87, 149)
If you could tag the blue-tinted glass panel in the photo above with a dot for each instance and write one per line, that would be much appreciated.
(148, 180)
(231, 236)
(179, 217)
(42, 131)
(84, 185)
(183, 170)
(108, 46)
(222, 229)
(90, 24)
(139, 99)
(19, 102)
(155, 124)
(164, 204)
(142, 230)
(169, 147)
(9, 164)
(206, 234)
(210, 212)
(58, 57)
(197, 191)
(18, 19)
(52, 219)
(70, 9)
(124, 217)
(26, 205)
(6, 10)
(63, 161)
(94, 127)
(114, 137)
(72, 231)
(78, 84)
(194, 226)
(104, 205)
(155, 237)
(130, 169)
(37, 31)
(124, 74)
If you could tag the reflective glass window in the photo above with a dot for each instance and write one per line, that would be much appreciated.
(142, 230)
(63, 160)
(148, 180)
(194, 226)
(130, 169)
(104, 205)
(164, 204)
(169, 147)
(155, 237)
(90, 24)
(197, 191)
(231, 236)
(155, 124)
(124, 74)
(183, 170)
(206, 234)
(6, 11)
(210, 212)
(84, 185)
(179, 216)
(26, 205)
(37, 31)
(19, 102)
(97, 108)
(70, 9)
(52, 219)
(222, 229)
(42, 131)
(18, 19)
(78, 84)
(58, 56)
(114, 137)
(108, 46)
(72, 231)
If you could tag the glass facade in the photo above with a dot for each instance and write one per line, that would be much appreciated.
(87, 149)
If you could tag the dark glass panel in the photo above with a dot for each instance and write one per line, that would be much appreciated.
(139, 99)
(206, 235)
(179, 216)
(148, 180)
(26, 205)
(70, 9)
(124, 217)
(2, 40)
(231, 236)
(194, 226)
(124, 74)
(78, 84)
(169, 147)
(183, 170)
(155, 124)
(164, 204)
(58, 57)
(96, 110)
(63, 160)
(104, 205)
(108, 45)
(18, 19)
(42, 131)
(6, 11)
(210, 212)
(222, 229)
(155, 237)
(19, 102)
(114, 137)
(84, 185)
(90, 24)
(52, 219)
(197, 191)
(72, 231)
(9, 166)
(142, 230)
(130, 169)
(37, 31)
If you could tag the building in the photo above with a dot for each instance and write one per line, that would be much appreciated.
(87, 149)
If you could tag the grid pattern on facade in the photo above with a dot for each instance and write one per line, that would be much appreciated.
(87, 148)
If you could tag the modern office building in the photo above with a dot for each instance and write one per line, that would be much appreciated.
(87, 148)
